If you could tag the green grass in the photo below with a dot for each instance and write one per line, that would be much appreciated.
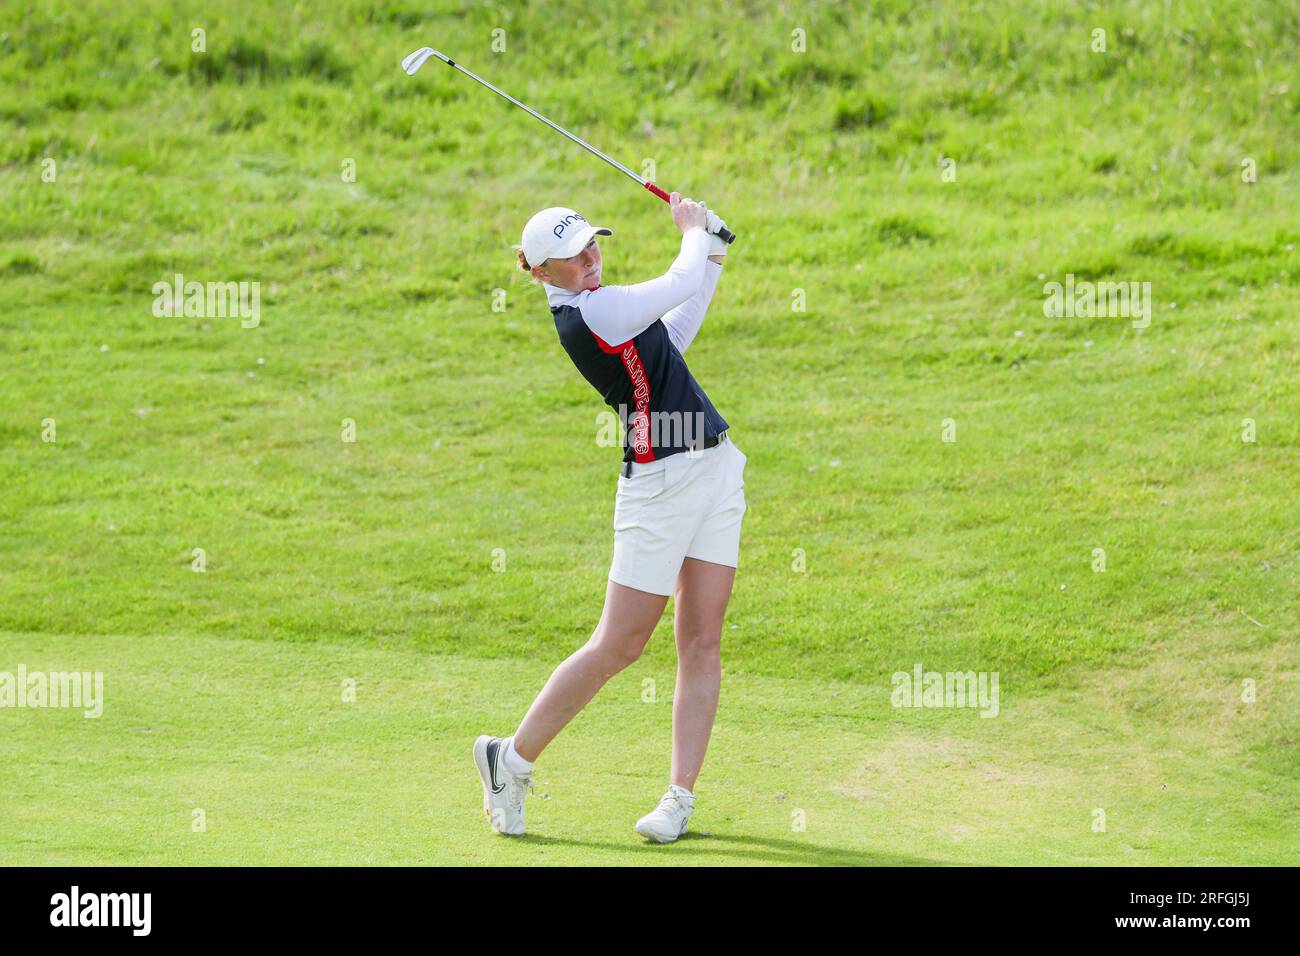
(256, 735)
(1121, 690)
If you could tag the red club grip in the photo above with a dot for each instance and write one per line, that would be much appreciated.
(725, 234)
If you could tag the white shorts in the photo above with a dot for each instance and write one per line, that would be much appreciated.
(688, 505)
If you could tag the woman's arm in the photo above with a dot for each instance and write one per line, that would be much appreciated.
(684, 321)
(618, 313)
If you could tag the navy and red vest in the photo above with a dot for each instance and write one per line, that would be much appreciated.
(645, 380)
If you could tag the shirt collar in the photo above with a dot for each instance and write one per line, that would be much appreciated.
(557, 296)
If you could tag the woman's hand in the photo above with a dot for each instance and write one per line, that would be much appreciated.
(686, 213)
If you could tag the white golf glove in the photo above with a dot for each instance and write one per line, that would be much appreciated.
(712, 223)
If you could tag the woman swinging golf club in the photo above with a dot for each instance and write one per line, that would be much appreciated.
(678, 511)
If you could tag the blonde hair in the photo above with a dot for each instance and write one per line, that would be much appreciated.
(523, 264)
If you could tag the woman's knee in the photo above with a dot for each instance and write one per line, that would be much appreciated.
(617, 651)
(699, 650)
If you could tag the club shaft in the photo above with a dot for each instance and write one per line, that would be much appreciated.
(413, 63)
(555, 126)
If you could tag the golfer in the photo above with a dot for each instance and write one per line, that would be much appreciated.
(679, 505)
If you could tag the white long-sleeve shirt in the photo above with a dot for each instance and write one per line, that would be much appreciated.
(680, 297)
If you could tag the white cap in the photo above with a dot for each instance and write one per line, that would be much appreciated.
(558, 233)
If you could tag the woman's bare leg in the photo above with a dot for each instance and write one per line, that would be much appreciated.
(703, 590)
(626, 623)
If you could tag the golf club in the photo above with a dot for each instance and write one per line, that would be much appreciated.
(416, 60)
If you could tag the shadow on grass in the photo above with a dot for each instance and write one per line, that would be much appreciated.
(728, 848)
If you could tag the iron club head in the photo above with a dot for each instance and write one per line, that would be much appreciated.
(416, 60)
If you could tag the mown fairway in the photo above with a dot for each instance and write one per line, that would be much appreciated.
(1163, 690)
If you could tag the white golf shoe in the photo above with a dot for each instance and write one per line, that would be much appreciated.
(666, 822)
(503, 791)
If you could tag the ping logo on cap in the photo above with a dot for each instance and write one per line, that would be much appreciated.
(565, 222)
